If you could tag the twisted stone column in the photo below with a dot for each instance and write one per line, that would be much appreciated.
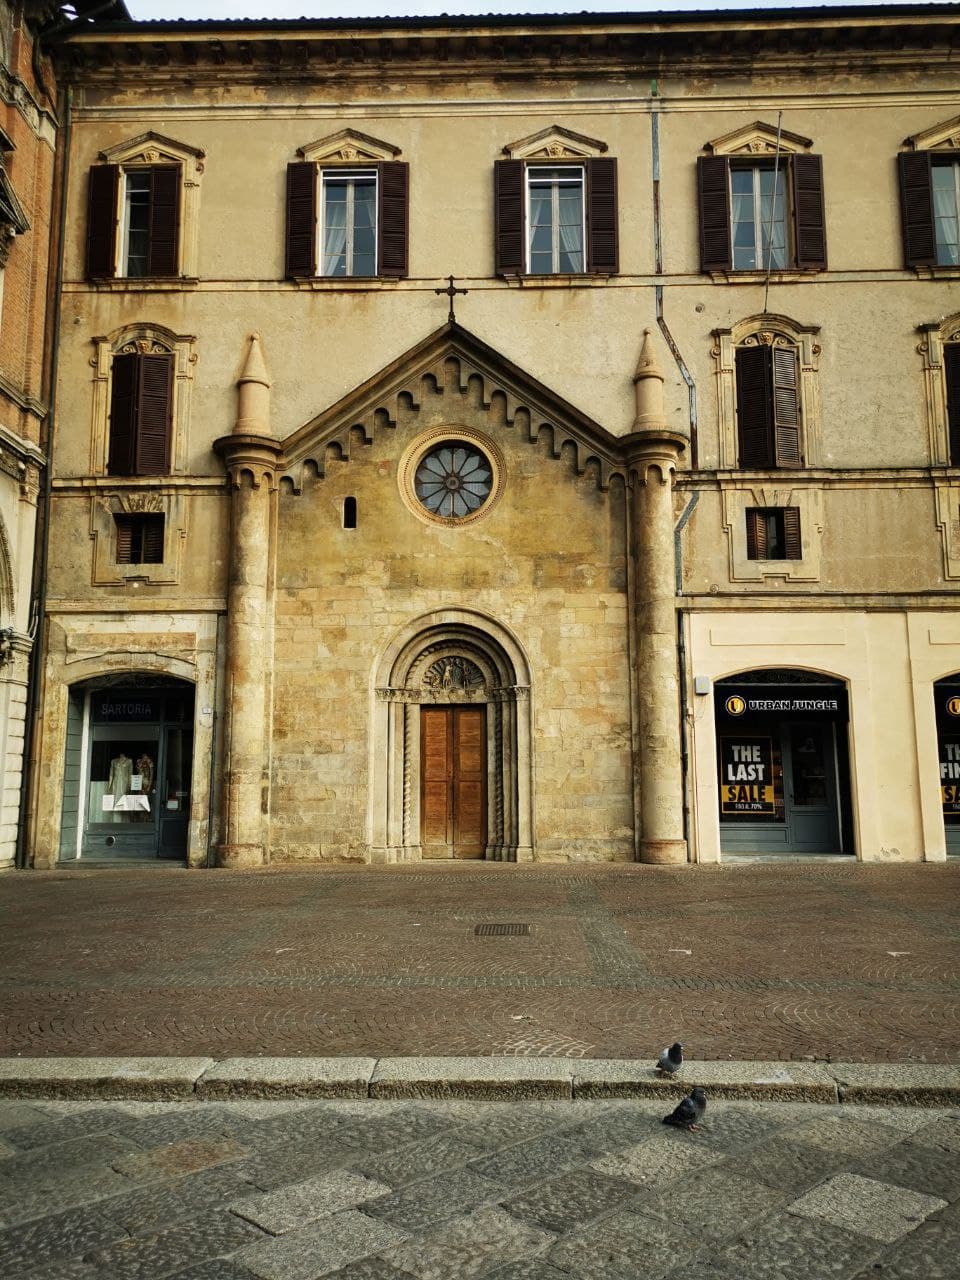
(251, 456)
(653, 454)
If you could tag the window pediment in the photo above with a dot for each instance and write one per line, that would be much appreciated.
(348, 147)
(154, 148)
(757, 139)
(555, 143)
(941, 137)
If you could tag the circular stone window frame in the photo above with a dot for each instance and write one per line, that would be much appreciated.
(452, 434)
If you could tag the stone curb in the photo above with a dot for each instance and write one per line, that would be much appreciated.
(500, 1078)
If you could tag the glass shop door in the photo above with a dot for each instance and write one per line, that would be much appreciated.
(122, 811)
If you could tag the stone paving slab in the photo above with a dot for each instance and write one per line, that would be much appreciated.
(620, 960)
(288, 1078)
(480, 1078)
(588, 1190)
(932, 1084)
(785, 1082)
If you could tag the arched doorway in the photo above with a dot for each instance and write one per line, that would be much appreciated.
(783, 763)
(128, 767)
(946, 694)
(451, 768)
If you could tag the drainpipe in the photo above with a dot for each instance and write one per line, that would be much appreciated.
(42, 548)
(694, 456)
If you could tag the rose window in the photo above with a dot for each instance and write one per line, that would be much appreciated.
(453, 480)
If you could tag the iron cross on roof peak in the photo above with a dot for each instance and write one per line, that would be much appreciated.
(451, 291)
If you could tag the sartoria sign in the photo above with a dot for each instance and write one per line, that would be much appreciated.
(746, 776)
(781, 700)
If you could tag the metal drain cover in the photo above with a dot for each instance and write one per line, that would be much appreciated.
(502, 930)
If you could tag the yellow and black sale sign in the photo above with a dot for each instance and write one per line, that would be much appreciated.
(746, 776)
(950, 773)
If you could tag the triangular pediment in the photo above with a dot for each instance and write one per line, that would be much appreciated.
(939, 137)
(153, 148)
(348, 146)
(758, 138)
(453, 362)
(555, 143)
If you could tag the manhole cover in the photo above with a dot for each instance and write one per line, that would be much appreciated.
(502, 930)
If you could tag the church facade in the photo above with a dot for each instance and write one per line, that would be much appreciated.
(508, 439)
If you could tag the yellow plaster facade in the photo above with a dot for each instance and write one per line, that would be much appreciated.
(607, 585)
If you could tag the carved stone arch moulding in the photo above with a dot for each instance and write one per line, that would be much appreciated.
(934, 336)
(768, 330)
(758, 139)
(455, 366)
(451, 657)
(8, 601)
(146, 339)
(154, 148)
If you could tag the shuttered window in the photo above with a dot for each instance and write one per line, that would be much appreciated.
(558, 219)
(140, 414)
(768, 407)
(773, 533)
(930, 207)
(139, 538)
(761, 216)
(133, 221)
(951, 368)
(347, 221)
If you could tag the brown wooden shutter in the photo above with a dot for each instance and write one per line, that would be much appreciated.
(123, 415)
(809, 218)
(792, 549)
(756, 535)
(164, 220)
(603, 248)
(392, 218)
(508, 216)
(951, 368)
(124, 539)
(916, 209)
(754, 373)
(153, 415)
(152, 539)
(786, 407)
(713, 193)
(301, 255)
(103, 210)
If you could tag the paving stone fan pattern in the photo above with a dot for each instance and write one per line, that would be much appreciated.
(827, 961)
(455, 1190)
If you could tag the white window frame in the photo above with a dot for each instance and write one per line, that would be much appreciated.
(530, 172)
(755, 170)
(123, 237)
(336, 173)
(955, 166)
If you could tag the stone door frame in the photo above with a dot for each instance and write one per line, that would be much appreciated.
(451, 657)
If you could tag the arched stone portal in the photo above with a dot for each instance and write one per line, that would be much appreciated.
(453, 659)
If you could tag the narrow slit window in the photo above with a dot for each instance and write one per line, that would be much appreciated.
(349, 513)
(139, 538)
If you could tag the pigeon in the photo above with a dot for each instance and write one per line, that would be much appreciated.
(670, 1060)
(689, 1111)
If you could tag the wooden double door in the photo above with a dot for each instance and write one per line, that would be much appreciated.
(453, 787)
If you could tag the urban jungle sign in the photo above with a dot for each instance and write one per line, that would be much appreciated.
(800, 701)
(746, 776)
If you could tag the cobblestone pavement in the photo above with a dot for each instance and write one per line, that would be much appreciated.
(825, 960)
(455, 1190)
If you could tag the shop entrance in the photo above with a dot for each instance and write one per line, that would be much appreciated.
(130, 750)
(947, 698)
(782, 761)
(453, 792)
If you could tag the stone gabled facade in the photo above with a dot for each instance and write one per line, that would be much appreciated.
(635, 538)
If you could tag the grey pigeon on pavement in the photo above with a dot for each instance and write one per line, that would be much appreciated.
(670, 1060)
(689, 1112)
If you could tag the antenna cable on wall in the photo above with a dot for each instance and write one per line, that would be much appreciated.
(773, 210)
